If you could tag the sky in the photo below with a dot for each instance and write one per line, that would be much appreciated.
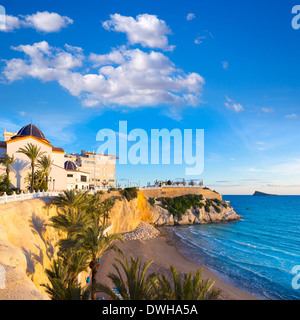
(230, 68)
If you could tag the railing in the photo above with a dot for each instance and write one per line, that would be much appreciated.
(171, 186)
(26, 196)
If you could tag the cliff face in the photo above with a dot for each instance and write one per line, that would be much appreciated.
(27, 244)
(27, 247)
(162, 217)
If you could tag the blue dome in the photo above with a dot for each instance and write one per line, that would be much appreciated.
(31, 130)
(69, 165)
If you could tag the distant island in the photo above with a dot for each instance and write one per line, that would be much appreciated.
(258, 193)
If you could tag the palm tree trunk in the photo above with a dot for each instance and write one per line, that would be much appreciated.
(94, 265)
(47, 181)
(32, 177)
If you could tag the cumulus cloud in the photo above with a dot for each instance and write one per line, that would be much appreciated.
(146, 30)
(43, 62)
(232, 105)
(41, 21)
(124, 77)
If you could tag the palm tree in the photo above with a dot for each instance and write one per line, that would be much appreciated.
(107, 205)
(33, 152)
(75, 263)
(94, 206)
(71, 199)
(135, 285)
(70, 221)
(7, 161)
(60, 287)
(190, 288)
(94, 242)
(44, 164)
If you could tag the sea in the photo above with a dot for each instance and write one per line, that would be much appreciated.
(259, 254)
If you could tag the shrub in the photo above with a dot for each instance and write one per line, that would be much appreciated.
(129, 193)
(217, 208)
(151, 201)
(217, 201)
(179, 205)
(207, 207)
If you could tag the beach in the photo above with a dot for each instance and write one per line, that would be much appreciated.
(164, 252)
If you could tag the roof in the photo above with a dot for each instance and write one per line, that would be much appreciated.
(31, 130)
(70, 165)
(56, 149)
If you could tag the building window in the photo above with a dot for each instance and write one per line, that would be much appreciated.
(83, 179)
(69, 175)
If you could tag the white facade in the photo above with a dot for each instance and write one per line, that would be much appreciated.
(77, 180)
(22, 165)
(89, 170)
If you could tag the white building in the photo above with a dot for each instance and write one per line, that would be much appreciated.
(76, 179)
(61, 176)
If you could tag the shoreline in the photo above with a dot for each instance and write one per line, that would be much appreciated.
(230, 291)
(164, 252)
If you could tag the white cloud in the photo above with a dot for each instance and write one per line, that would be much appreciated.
(41, 21)
(232, 105)
(114, 57)
(190, 16)
(292, 116)
(146, 29)
(131, 77)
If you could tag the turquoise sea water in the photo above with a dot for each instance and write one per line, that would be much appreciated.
(256, 254)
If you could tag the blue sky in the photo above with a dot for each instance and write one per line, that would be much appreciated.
(231, 68)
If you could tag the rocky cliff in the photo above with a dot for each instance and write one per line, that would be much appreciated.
(27, 244)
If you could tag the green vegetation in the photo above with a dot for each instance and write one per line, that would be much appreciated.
(178, 205)
(189, 288)
(207, 207)
(82, 217)
(151, 201)
(5, 184)
(133, 284)
(129, 193)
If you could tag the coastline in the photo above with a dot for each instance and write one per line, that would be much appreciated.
(164, 252)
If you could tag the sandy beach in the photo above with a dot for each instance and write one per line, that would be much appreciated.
(164, 253)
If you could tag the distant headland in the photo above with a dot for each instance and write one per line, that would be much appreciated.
(258, 193)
